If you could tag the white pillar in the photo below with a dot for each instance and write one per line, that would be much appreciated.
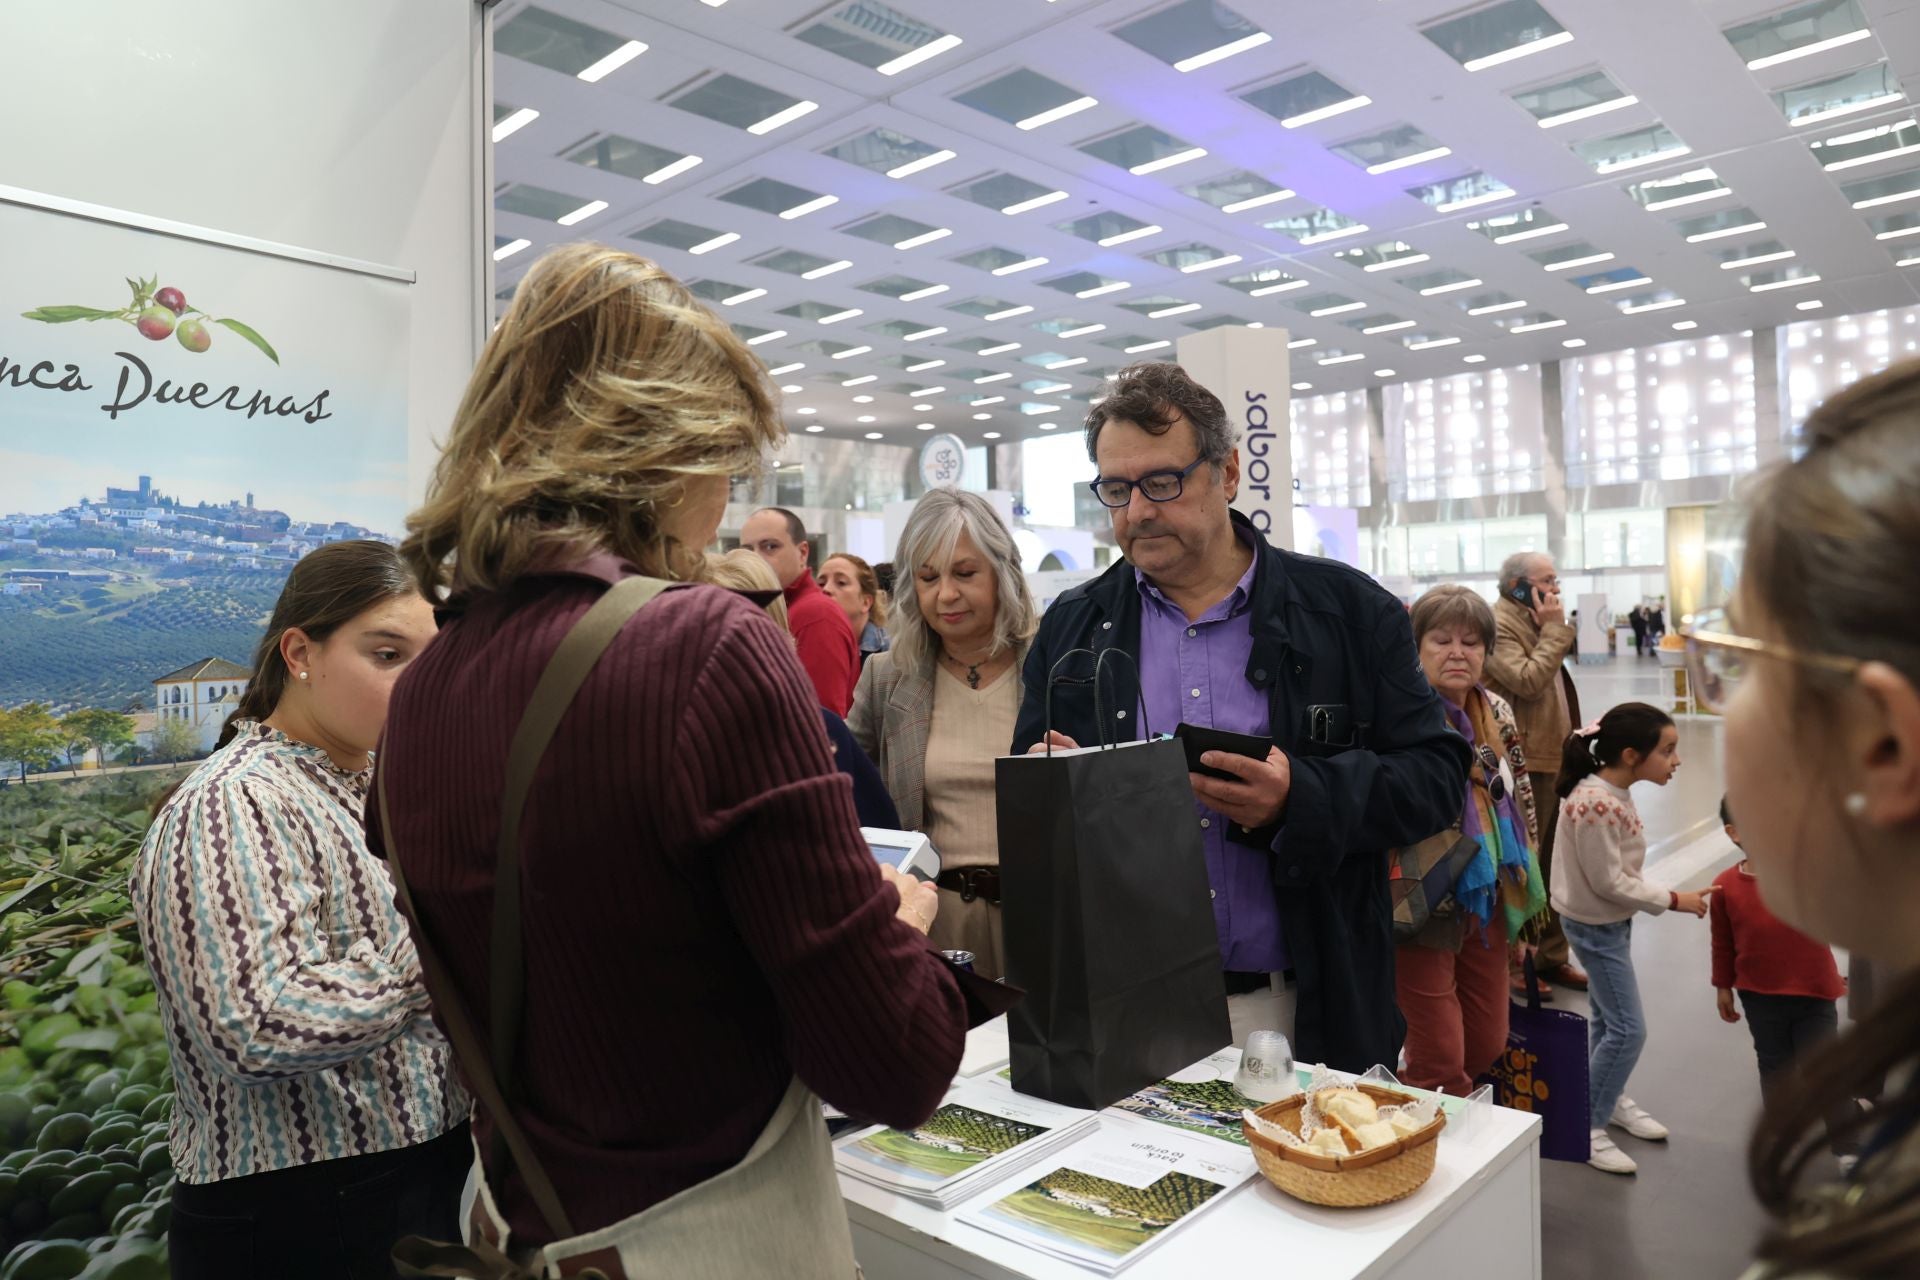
(1249, 370)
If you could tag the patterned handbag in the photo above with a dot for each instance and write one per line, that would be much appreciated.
(1420, 879)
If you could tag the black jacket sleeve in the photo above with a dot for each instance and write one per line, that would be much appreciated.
(1406, 784)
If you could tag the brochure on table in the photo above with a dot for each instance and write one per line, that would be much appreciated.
(980, 1131)
(1157, 1160)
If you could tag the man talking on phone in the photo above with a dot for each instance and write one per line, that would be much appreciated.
(1527, 667)
(1306, 654)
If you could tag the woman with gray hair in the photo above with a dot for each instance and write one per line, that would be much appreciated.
(936, 709)
(1451, 977)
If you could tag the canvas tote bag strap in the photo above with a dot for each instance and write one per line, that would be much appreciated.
(492, 1073)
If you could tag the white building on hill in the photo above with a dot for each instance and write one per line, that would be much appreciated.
(203, 694)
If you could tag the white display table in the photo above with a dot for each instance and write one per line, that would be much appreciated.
(1477, 1218)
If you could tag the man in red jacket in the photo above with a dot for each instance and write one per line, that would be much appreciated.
(820, 629)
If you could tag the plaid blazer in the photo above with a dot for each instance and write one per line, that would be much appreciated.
(891, 719)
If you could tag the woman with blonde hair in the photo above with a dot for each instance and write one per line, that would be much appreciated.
(939, 706)
(648, 919)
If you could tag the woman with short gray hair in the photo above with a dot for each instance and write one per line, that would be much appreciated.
(939, 706)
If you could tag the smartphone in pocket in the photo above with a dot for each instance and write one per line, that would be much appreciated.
(1199, 740)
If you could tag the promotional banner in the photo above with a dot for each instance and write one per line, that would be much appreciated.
(179, 423)
(1247, 369)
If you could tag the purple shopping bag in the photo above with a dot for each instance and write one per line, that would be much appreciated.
(1544, 1070)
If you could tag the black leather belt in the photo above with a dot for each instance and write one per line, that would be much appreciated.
(973, 882)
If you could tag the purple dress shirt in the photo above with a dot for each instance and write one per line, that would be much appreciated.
(1196, 671)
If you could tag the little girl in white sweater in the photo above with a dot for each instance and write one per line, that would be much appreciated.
(1599, 848)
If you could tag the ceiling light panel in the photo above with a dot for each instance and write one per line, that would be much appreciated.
(981, 308)
(717, 290)
(1895, 227)
(1802, 31)
(675, 234)
(1612, 280)
(1400, 147)
(1142, 149)
(768, 196)
(1490, 304)
(895, 286)
(876, 36)
(889, 229)
(1894, 188)
(1314, 225)
(810, 310)
(729, 99)
(537, 202)
(1498, 33)
(1192, 257)
(1216, 322)
(1862, 89)
(1153, 306)
(1108, 228)
(992, 259)
(1433, 284)
(1719, 225)
(1465, 192)
(1085, 284)
(1326, 304)
(1192, 34)
(1264, 282)
(631, 158)
(1517, 225)
(1237, 192)
(1692, 187)
(549, 40)
(1005, 192)
(1567, 257)
(1305, 99)
(792, 262)
(889, 152)
(1590, 94)
(1734, 256)
(1630, 150)
(1023, 96)
(1859, 147)
(1387, 256)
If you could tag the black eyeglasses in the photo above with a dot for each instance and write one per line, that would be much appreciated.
(1159, 486)
(1496, 783)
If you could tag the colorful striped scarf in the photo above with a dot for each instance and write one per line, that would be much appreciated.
(1495, 825)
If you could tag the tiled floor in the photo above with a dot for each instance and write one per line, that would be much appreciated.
(1688, 1212)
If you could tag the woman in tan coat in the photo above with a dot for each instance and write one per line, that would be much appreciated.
(938, 708)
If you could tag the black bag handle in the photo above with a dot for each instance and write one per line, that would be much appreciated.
(1099, 705)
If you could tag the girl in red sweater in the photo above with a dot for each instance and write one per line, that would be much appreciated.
(1788, 984)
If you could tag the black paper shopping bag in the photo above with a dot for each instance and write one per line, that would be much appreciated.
(1107, 921)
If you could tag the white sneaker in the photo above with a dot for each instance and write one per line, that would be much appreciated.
(1608, 1158)
(1628, 1115)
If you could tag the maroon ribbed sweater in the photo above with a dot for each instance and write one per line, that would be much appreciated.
(702, 919)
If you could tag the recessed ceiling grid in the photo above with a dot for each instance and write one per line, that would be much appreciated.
(1047, 192)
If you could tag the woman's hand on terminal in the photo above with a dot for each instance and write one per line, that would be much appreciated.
(1055, 740)
(919, 901)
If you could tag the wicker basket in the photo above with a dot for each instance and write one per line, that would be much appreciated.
(1377, 1176)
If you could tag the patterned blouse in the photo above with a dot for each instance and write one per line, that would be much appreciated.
(291, 992)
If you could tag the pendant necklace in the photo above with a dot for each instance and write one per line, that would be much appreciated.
(973, 669)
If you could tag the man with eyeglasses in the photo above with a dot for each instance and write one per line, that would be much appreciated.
(1527, 667)
(1230, 633)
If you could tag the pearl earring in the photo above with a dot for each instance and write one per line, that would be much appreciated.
(303, 675)
(1856, 804)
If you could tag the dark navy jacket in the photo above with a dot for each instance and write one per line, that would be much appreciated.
(1326, 635)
